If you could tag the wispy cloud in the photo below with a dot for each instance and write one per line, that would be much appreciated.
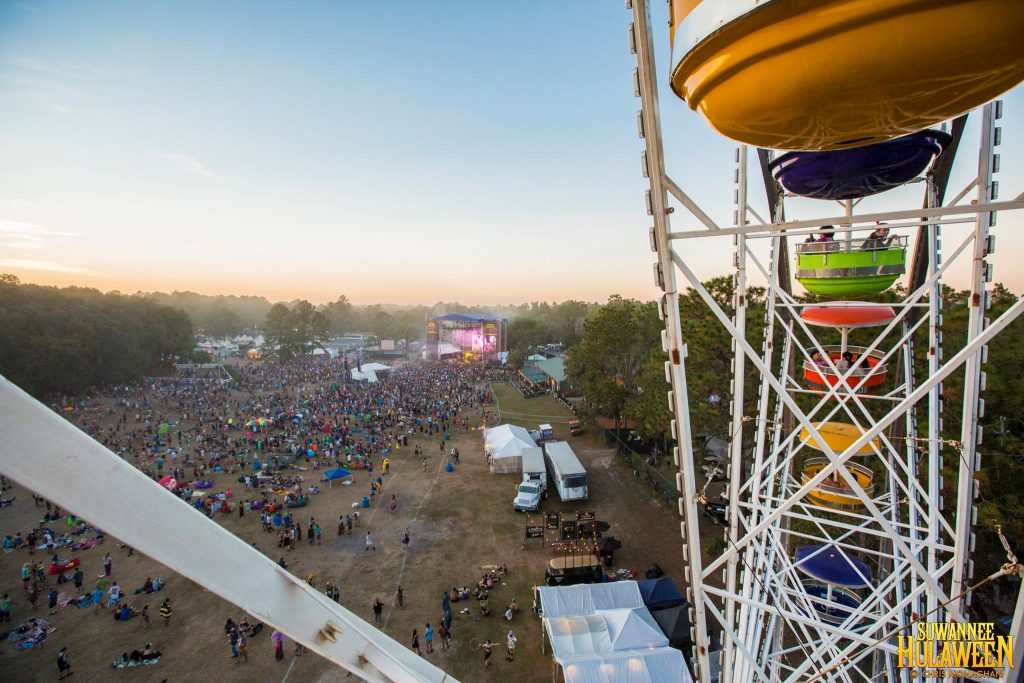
(192, 165)
(48, 266)
(21, 235)
(61, 69)
(14, 203)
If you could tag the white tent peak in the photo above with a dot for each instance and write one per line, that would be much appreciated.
(507, 439)
(633, 628)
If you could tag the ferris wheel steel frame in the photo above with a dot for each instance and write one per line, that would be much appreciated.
(922, 554)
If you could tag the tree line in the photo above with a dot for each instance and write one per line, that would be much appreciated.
(66, 341)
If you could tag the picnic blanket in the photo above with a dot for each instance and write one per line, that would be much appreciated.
(84, 545)
(30, 633)
(122, 663)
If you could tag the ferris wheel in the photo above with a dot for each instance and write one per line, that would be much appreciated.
(841, 533)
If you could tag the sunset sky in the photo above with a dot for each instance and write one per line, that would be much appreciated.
(396, 152)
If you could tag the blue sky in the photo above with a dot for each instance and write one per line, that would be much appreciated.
(402, 152)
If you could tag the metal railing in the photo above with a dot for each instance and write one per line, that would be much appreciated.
(859, 352)
(855, 244)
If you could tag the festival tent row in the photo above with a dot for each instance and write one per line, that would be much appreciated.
(604, 632)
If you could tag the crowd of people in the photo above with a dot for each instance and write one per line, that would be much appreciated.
(275, 428)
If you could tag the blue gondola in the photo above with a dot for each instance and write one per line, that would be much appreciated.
(861, 171)
(833, 566)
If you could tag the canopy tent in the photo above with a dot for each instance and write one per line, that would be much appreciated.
(368, 372)
(576, 635)
(660, 593)
(633, 629)
(631, 666)
(337, 473)
(588, 598)
(675, 624)
(506, 444)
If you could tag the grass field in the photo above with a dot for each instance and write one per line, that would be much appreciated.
(530, 412)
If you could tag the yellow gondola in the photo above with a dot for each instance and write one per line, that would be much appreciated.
(830, 74)
(839, 436)
(834, 492)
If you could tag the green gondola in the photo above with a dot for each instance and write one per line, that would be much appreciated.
(849, 267)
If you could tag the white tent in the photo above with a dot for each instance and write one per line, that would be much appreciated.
(604, 631)
(368, 372)
(633, 629)
(506, 445)
(507, 440)
(578, 635)
(630, 666)
(588, 598)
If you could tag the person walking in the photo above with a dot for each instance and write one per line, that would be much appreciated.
(442, 633)
(416, 642)
(488, 649)
(64, 663)
(378, 608)
(428, 637)
(233, 642)
(166, 611)
(106, 564)
(369, 542)
(243, 646)
(277, 638)
(400, 598)
(97, 599)
(78, 577)
(145, 617)
(510, 643)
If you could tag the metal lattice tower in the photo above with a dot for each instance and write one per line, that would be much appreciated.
(868, 500)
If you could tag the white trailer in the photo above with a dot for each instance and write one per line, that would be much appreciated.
(566, 472)
(533, 467)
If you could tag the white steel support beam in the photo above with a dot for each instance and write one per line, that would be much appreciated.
(71, 469)
(970, 430)
(865, 219)
(947, 369)
(647, 86)
(738, 380)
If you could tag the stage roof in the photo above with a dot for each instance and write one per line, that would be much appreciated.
(467, 317)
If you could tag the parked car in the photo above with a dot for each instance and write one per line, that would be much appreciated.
(575, 428)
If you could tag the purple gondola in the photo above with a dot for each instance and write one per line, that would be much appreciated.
(859, 171)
